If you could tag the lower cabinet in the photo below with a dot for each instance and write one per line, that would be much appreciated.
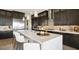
(6, 34)
(71, 40)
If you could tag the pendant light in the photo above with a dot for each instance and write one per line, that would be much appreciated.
(28, 17)
(35, 14)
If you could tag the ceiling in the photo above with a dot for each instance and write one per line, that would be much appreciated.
(28, 11)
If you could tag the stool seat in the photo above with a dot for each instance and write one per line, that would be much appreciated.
(16, 33)
(20, 39)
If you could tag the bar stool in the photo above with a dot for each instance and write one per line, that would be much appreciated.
(31, 46)
(16, 35)
(14, 32)
(20, 41)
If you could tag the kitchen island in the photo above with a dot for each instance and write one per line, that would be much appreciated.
(50, 42)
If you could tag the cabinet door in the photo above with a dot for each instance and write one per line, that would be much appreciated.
(63, 18)
(2, 17)
(70, 17)
(5, 18)
(57, 18)
(71, 40)
(67, 17)
(18, 15)
(73, 17)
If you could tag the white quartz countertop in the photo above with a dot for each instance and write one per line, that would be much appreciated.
(40, 39)
(70, 32)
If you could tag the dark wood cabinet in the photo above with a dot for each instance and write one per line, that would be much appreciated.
(5, 18)
(73, 17)
(41, 20)
(17, 15)
(58, 17)
(63, 18)
(71, 40)
(66, 17)
(6, 34)
(34, 22)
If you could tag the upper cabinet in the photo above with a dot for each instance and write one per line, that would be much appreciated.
(41, 20)
(60, 17)
(73, 16)
(6, 17)
(66, 16)
(43, 15)
(18, 15)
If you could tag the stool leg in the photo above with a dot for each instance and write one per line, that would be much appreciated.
(19, 46)
(40, 47)
(14, 44)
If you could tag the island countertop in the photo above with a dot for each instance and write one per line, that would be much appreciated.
(31, 34)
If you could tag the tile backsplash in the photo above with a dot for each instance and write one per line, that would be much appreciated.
(63, 28)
